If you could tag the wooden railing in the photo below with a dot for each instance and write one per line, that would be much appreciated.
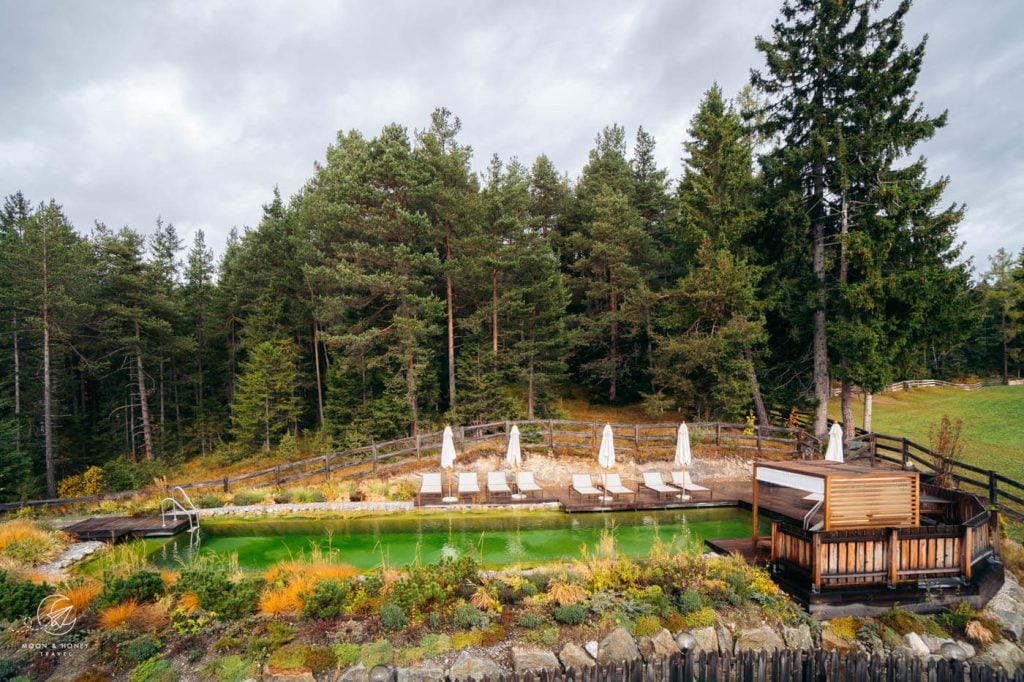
(655, 440)
(861, 557)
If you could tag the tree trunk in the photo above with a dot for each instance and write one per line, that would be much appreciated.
(494, 314)
(319, 384)
(48, 450)
(755, 390)
(410, 383)
(451, 316)
(1006, 355)
(869, 404)
(17, 390)
(821, 377)
(147, 431)
(847, 409)
(613, 347)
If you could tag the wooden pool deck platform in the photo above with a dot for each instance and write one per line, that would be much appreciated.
(115, 529)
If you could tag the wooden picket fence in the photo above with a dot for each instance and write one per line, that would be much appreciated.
(584, 438)
(761, 666)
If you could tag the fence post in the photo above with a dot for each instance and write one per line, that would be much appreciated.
(905, 453)
(277, 476)
(551, 433)
(374, 446)
(593, 437)
(419, 454)
(327, 469)
(718, 434)
(993, 487)
(873, 446)
(758, 432)
(894, 550)
(636, 437)
(225, 484)
(462, 439)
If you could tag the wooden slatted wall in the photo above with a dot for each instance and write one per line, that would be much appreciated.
(875, 501)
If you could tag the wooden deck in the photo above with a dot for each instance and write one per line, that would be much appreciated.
(114, 529)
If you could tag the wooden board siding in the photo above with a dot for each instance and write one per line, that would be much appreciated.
(871, 501)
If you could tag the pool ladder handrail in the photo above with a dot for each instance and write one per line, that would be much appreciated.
(170, 506)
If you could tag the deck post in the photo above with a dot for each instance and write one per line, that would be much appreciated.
(753, 530)
(816, 566)
(967, 553)
(993, 532)
(894, 559)
(775, 542)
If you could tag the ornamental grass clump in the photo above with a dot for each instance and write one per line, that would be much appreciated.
(25, 543)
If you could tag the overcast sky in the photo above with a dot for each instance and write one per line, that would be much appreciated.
(193, 111)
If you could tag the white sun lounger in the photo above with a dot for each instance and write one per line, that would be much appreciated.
(469, 484)
(681, 479)
(652, 480)
(526, 484)
(584, 486)
(497, 484)
(613, 485)
(431, 485)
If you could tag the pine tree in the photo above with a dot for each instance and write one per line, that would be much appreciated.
(266, 404)
(198, 296)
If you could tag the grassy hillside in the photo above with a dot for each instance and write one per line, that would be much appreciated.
(993, 418)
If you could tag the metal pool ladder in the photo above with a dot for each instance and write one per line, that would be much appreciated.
(171, 507)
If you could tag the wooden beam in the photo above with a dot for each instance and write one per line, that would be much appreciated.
(753, 530)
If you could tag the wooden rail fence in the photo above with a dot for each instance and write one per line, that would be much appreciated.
(911, 384)
(656, 440)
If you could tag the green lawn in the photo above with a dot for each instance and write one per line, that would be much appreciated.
(993, 431)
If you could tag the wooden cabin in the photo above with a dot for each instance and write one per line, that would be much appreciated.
(872, 537)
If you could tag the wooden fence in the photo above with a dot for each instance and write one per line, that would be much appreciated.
(760, 666)
(1002, 492)
(910, 384)
(649, 440)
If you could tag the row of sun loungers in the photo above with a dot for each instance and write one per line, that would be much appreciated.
(610, 485)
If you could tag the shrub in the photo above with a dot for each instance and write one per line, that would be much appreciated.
(467, 616)
(189, 623)
(117, 615)
(155, 670)
(8, 669)
(573, 614)
(27, 543)
(218, 593)
(230, 669)
(248, 496)
(138, 586)
(675, 622)
(845, 628)
(548, 636)
(468, 638)
(689, 600)
(646, 626)
(326, 600)
(347, 653)
(566, 593)
(409, 656)
(19, 598)
(89, 483)
(210, 500)
(435, 644)
(302, 496)
(320, 659)
(376, 653)
(530, 620)
(288, 657)
(492, 635)
(392, 617)
(139, 649)
(701, 618)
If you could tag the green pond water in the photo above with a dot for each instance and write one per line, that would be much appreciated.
(514, 538)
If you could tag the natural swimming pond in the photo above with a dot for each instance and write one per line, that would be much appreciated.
(512, 538)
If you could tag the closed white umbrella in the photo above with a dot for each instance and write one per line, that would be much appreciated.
(514, 456)
(683, 455)
(834, 453)
(448, 459)
(606, 455)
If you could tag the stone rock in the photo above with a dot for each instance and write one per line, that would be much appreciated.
(357, 673)
(934, 643)
(1002, 654)
(707, 639)
(472, 667)
(618, 646)
(646, 647)
(830, 641)
(664, 644)
(967, 647)
(763, 638)
(574, 656)
(798, 637)
(951, 651)
(725, 639)
(591, 648)
(1010, 622)
(380, 673)
(424, 672)
(916, 644)
(533, 659)
(273, 675)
